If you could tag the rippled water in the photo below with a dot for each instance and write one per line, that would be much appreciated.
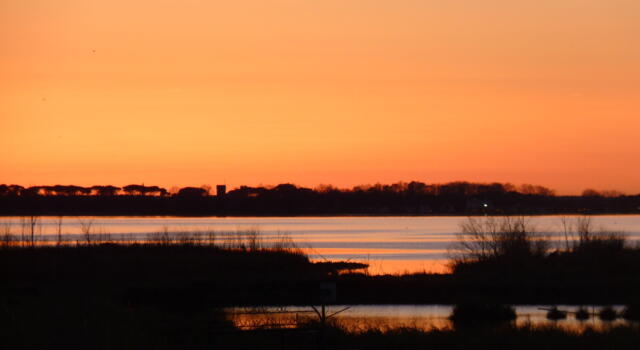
(388, 244)
(424, 317)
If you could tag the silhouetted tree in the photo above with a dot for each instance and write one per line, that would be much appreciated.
(192, 192)
(105, 190)
(246, 192)
(612, 193)
(4, 190)
(134, 190)
(70, 190)
(15, 190)
(153, 191)
(536, 190)
(589, 192)
(32, 191)
(207, 188)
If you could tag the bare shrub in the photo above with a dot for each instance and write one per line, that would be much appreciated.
(237, 240)
(253, 239)
(28, 226)
(33, 223)
(102, 236)
(7, 239)
(24, 229)
(164, 237)
(86, 230)
(242, 239)
(580, 233)
(211, 237)
(189, 238)
(59, 231)
(284, 243)
(487, 238)
(204, 237)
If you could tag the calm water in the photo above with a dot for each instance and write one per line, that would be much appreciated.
(425, 317)
(388, 244)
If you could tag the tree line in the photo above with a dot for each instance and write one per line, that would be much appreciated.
(452, 188)
(402, 198)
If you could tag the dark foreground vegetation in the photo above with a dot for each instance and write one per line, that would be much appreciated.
(579, 265)
(164, 295)
(169, 296)
(413, 198)
(505, 337)
(169, 293)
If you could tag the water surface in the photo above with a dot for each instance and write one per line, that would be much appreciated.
(387, 244)
(424, 317)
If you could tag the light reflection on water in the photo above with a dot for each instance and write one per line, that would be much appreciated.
(360, 318)
(388, 244)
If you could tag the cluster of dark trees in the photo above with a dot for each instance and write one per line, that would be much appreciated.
(452, 188)
(72, 190)
(413, 198)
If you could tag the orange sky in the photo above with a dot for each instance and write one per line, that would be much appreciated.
(347, 92)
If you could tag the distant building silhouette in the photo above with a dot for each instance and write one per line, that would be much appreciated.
(221, 190)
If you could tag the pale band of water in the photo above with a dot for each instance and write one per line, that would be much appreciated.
(387, 244)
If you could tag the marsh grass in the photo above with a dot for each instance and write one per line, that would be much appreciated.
(7, 238)
(527, 336)
(251, 239)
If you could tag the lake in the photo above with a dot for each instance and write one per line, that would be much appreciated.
(387, 244)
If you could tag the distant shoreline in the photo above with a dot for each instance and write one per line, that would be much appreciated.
(287, 200)
(329, 216)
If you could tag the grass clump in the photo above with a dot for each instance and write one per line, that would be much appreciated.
(608, 313)
(555, 315)
(582, 314)
(473, 314)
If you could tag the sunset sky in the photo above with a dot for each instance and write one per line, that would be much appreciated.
(343, 92)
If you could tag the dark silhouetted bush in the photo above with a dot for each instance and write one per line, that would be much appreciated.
(554, 314)
(475, 314)
(582, 314)
(608, 314)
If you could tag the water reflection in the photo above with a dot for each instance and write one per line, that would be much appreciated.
(388, 244)
(359, 318)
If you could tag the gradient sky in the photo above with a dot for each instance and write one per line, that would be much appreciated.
(346, 92)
